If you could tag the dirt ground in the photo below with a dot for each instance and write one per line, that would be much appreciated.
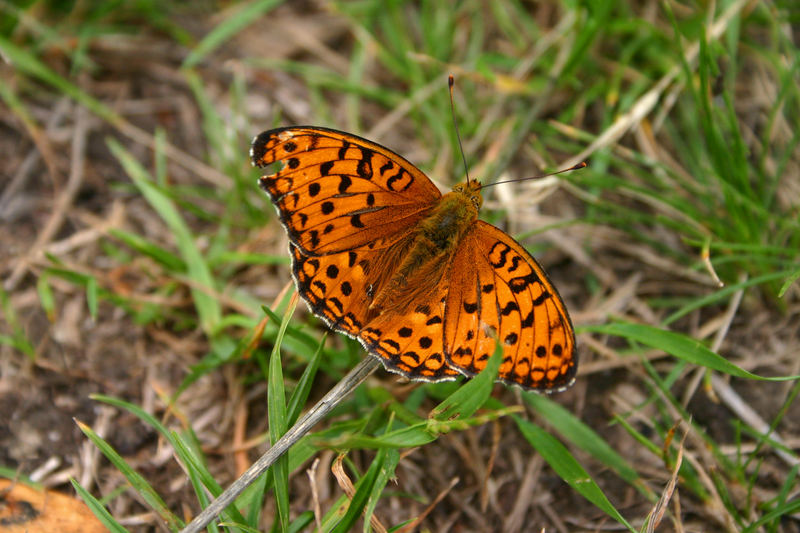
(63, 192)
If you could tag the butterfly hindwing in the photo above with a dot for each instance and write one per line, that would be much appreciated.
(337, 191)
(499, 293)
(339, 288)
(334, 287)
(411, 343)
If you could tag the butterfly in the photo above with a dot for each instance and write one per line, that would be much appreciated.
(381, 255)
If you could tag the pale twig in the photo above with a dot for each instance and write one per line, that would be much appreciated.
(348, 383)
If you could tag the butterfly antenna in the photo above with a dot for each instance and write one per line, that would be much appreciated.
(450, 83)
(579, 166)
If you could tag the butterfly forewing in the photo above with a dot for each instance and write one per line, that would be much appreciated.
(337, 191)
(498, 293)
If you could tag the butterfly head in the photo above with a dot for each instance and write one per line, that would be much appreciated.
(472, 190)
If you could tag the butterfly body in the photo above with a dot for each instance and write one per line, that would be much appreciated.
(433, 243)
(381, 255)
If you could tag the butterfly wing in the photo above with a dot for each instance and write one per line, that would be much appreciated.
(499, 291)
(337, 191)
(339, 289)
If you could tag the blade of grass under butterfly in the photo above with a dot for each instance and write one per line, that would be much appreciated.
(386, 472)
(300, 394)
(276, 406)
(201, 478)
(473, 394)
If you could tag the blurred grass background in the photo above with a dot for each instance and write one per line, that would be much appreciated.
(137, 252)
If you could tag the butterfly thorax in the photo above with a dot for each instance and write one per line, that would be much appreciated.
(431, 245)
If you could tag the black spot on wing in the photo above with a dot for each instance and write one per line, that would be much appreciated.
(541, 298)
(521, 283)
(528, 320)
(501, 249)
(343, 150)
(314, 236)
(364, 167)
(386, 167)
(344, 183)
(433, 320)
(509, 308)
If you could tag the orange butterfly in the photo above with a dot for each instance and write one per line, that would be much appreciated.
(381, 255)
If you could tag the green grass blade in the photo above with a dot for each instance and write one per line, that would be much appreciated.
(245, 15)
(788, 283)
(91, 297)
(46, 296)
(680, 346)
(725, 294)
(473, 394)
(582, 436)
(385, 473)
(26, 62)
(139, 484)
(98, 509)
(567, 468)
(201, 478)
(208, 307)
(141, 245)
(276, 400)
(18, 339)
(303, 388)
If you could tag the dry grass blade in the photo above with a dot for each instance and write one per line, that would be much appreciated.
(655, 516)
(349, 489)
(311, 473)
(439, 497)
